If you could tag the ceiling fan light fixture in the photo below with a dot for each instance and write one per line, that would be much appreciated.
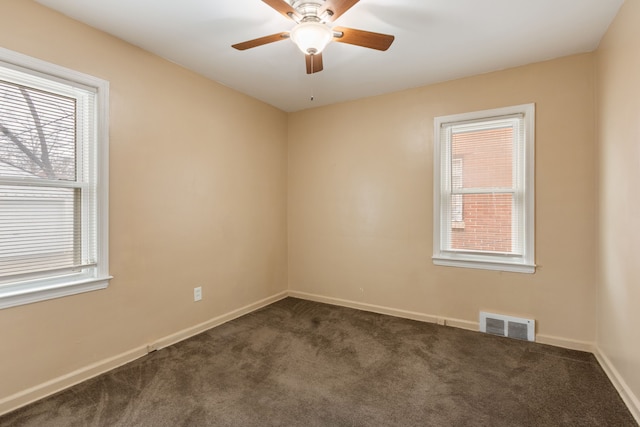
(311, 37)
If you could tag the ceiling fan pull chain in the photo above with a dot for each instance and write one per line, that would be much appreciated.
(312, 78)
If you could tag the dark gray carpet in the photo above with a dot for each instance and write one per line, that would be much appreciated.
(300, 363)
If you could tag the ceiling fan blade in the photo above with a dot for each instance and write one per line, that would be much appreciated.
(338, 7)
(261, 41)
(363, 38)
(314, 63)
(283, 7)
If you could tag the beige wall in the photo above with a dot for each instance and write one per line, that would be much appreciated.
(619, 160)
(360, 201)
(198, 197)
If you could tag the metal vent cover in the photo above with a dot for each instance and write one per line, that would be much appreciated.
(507, 326)
(494, 326)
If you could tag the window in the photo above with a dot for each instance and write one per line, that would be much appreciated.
(483, 189)
(53, 181)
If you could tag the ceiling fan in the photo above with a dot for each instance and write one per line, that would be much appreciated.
(312, 32)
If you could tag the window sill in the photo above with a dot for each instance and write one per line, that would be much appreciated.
(15, 296)
(495, 265)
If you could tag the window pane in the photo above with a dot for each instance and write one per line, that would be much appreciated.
(487, 224)
(37, 134)
(38, 229)
(485, 158)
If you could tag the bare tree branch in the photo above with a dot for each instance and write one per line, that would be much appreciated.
(21, 146)
(44, 150)
(36, 133)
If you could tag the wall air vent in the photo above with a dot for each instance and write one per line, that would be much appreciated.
(508, 326)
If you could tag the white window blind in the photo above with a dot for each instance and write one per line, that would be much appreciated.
(483, 195)
(457, 184)
(52, 181)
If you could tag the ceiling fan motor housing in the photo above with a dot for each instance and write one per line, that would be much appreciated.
(311, 10)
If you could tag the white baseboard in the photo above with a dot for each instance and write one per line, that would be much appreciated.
(629, 398)
(565, 343)
(216, 321)
(55, 385)
(413, 315)
(431, 318)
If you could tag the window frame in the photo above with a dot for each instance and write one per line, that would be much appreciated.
(524, 175)
(33, 289)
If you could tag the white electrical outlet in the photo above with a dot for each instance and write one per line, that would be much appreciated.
(197, 293)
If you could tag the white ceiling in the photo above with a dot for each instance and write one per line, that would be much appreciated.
(436, 40)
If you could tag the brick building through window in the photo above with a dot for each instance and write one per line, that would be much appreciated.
(482, 161)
